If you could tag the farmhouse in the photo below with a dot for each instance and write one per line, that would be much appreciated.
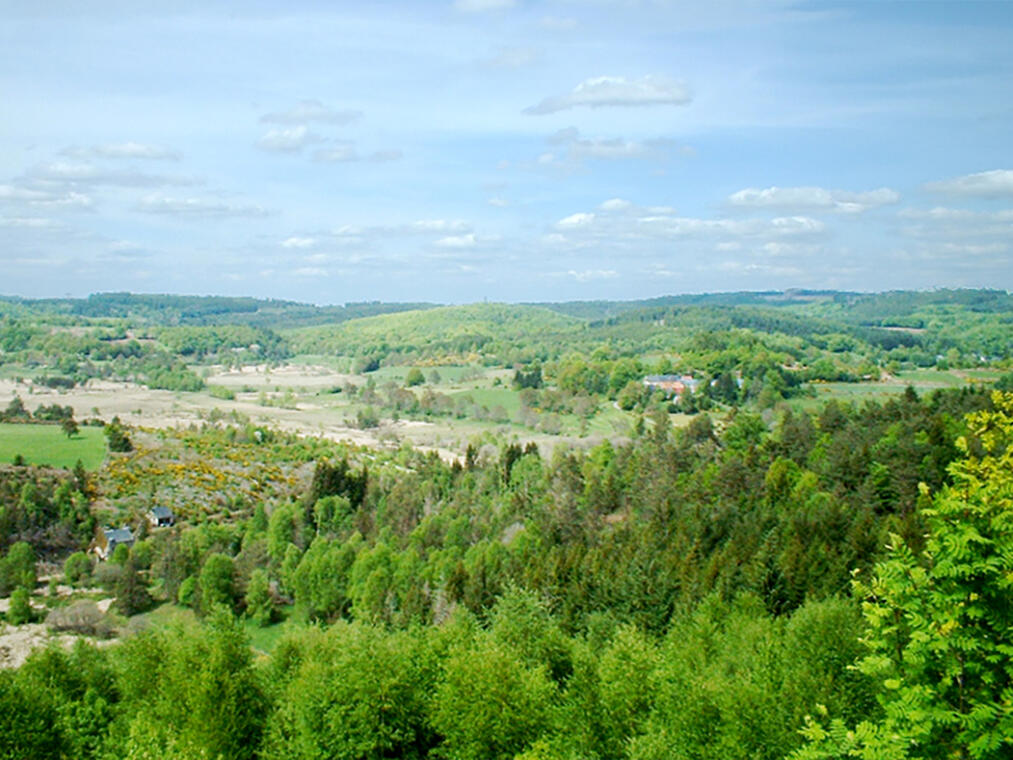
(673, 386)
(107, 539)
(161, 517)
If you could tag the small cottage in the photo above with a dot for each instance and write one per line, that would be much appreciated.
(161, 517)
(107, 539)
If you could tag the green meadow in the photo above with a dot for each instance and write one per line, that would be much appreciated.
(48, 445)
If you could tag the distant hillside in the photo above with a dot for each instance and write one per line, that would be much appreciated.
(437, 332)
(170, 310)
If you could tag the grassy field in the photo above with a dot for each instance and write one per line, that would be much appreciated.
(47, 444)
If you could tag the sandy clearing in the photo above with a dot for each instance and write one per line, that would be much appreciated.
(140, 407)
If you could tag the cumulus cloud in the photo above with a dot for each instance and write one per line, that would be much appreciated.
(298, 242)
(197, 208)
(124, 150)
(599, 92)
(438, 225)
(592, 274)
(616, 204)
(306, 111)
(290, 140)
(843, 201)
(457, 241)
(575, 221)
(575, 149)
(997, 183)
(618, 220)
(481, 6)
(24, 196)
(30, 222)
(942, 222)
(85, 173)
(347, 153)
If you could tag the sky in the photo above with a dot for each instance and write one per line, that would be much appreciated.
(505, 150)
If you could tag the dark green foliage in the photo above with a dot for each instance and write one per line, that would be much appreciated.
(414, 377)
(131, 589)
(528, 378)
(15, 411)
(337, 480)
(117, 437)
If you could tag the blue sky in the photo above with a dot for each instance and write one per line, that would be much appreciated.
(503, 149)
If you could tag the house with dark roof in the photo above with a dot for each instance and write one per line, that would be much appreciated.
(107, 539)
(161, 517)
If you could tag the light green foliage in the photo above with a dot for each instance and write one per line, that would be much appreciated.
(187, 594)
(355, 692)
(284, 528)
(120, 554)
(20, 611)
(192, 694)
(939, 627)
(260, 602)
(490, 705)
(732, 682)
(217, 582)
(321, 579)
(17, 569)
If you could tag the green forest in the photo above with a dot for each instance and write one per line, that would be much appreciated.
(804, 553)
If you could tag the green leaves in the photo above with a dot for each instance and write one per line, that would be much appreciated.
(939, 627)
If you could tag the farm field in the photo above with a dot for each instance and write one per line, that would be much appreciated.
(48, 445)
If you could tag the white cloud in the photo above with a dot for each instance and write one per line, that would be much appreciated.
(627, 224)
(306, 111)
(291, 140)
(310, 272)
(298, 242)
(196, 208)
(514, 58)
(481, 6)
(576, 221)
(599, 92)
(125, 150)
(579, 149)
(55, 199)
(498, 202)
(84, 173)
(457, 241)
(340, 154)
(592, 274)
(439, 225)
(843, 201)
(616, 204)
(30, 222)
(991, 184)
(942, 222)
